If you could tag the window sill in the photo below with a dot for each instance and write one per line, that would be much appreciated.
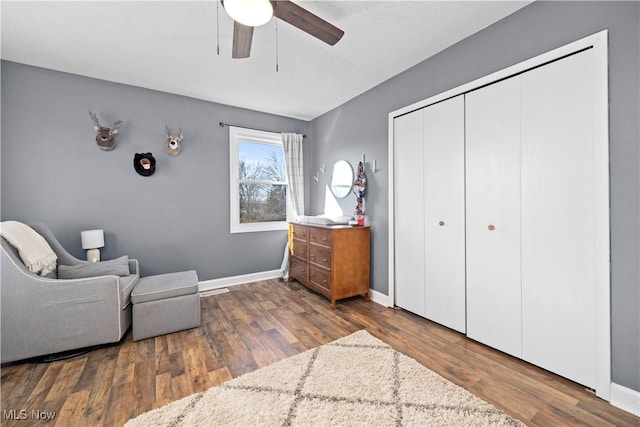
(259, 227)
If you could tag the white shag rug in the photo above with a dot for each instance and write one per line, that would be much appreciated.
(357, 380)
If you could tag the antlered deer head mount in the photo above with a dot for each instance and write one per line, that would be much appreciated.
(105, 136)
(173, 143)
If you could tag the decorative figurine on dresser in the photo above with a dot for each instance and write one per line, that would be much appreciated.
(331, 260)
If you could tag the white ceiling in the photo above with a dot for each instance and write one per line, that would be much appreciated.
(171, 47)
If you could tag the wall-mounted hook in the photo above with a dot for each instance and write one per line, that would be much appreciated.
(373, 168)
(322, 169)
(316, 176)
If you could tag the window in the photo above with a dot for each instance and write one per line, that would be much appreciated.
(259, 199)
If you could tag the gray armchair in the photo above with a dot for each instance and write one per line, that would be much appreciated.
(46, 315)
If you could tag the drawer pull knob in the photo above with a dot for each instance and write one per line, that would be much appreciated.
(324, 238)
(441, 223)
(324, 259)
(324, 281)
(491, 227)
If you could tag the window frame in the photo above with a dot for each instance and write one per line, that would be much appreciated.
(237, 134)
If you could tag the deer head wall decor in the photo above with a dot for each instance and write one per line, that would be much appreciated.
(173, 143)
(105, 136)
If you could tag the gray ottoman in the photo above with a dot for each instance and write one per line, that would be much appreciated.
(165, 303)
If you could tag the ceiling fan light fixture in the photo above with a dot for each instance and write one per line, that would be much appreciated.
(252, 13)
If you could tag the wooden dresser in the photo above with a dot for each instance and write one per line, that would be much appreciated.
(331, 260)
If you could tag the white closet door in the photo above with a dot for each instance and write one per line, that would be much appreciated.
(493, 216)
(444, 213)
(409, 212)
(558, 253)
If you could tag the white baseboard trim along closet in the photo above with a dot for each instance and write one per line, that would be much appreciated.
(625, 399)
(380, 298)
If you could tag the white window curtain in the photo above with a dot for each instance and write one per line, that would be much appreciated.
(293, 160)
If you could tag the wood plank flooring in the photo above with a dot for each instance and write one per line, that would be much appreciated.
(257, 324)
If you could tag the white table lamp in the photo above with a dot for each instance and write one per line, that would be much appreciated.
(92, 240)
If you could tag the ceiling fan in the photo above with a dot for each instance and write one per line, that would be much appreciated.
(248, 14)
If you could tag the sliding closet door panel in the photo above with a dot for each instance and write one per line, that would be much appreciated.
(493, 215)
(558, 218)
(444, 213)
(409, 212)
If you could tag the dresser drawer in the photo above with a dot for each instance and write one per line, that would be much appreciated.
(320, 255)
(298, 270)
(300, 249)
(320, 277)
(300, 232)
(320, 236)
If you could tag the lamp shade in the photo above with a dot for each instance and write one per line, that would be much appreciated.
(92, 239)
(249, 12)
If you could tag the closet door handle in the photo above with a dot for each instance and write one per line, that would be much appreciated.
(491, 227)
(441, 223)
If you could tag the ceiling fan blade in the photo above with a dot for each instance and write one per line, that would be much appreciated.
(242, 37)
(306, 21)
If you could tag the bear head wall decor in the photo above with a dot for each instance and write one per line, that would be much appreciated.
(144, 164)
(173, 143)
(106, 137)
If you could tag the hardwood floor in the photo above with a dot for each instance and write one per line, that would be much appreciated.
(257, 324)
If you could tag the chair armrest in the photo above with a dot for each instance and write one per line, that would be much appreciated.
(41, 315)
(51, 291)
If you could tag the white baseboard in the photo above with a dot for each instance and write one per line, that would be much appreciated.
(209, 285)
(625, 399)
(379, 298)
(210, 292)
(223, 282)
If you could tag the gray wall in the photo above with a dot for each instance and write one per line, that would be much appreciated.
(177, 219)
(360, 126)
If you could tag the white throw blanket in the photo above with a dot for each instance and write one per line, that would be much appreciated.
(34, 250)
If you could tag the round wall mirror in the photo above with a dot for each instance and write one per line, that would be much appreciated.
(341, 179)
